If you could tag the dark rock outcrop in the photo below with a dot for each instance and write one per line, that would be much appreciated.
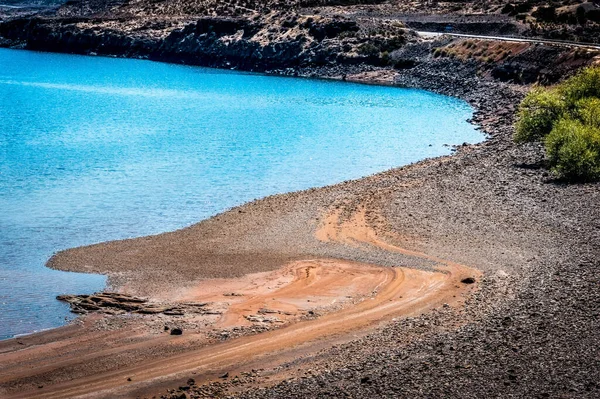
(115, 303)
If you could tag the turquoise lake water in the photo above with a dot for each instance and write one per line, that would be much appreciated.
(95, 149)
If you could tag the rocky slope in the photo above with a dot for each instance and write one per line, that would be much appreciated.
(259, 36)
(274, 40)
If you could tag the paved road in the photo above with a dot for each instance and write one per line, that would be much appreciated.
(514, 39)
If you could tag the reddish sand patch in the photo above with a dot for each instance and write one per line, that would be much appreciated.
(350, 297)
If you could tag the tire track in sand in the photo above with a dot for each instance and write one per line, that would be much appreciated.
(397, 292)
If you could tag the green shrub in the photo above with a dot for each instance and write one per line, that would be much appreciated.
(393, 43)
(585, 84)
(368, 49)
(573, 150)
(580, 15)
(385, 58)
(593, 15)
(588, 111)
(537, 114)
(546, 14)
(567, 117)
(508, 8)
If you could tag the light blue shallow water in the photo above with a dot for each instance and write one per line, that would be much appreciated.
(95, 149)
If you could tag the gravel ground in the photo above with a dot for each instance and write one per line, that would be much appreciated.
(532, 329)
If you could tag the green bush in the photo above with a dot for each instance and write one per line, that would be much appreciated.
(546, 14)
(385, 58)
(537, 114)
(368, 49)
(567, 119)
(585, 84)
(573, 150)
(588, 111)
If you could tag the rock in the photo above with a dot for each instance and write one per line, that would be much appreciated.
(226, 375)
(212, 312)
(115, 303)
(174, 312)
(468, 280)
(176, 331)
(257, 318)
(268, 311)
(152, 310)
(104, 301)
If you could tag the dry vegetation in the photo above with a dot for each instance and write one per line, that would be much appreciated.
(480, 50)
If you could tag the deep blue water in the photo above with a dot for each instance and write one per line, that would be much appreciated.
(95, 149)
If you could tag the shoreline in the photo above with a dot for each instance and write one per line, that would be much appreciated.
(490, 205)
(215, 218)
(363, 78)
